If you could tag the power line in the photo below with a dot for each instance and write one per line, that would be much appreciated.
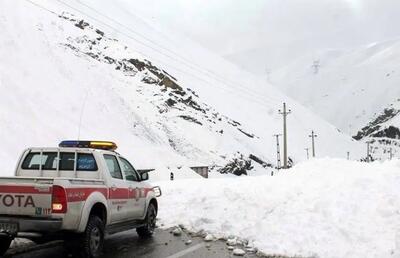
(247, 93)
(187, 62)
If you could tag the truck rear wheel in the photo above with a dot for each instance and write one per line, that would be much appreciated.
(150, 222)
(5, 243)
(93, 238)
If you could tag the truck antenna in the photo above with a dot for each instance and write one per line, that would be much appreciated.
(81, 114)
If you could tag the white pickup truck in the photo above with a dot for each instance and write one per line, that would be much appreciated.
(78, 192)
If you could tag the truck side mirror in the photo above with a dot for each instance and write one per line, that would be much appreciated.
(144, 176)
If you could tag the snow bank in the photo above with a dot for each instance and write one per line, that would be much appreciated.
(164, 174)
(321, 208)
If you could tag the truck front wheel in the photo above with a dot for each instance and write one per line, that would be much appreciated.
(150, 222)
(5, 243)
(93, 238)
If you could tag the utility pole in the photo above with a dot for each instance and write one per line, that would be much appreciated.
(278, 151)
(284, 113)
(316, 65)
(390, 153)
(368, 155)
(348, 155)
(308, 154)
(313, 136)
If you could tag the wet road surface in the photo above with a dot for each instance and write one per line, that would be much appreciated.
(129, 245)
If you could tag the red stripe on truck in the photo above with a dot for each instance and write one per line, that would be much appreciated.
(81, 194)
(119, 193)
(25, 189)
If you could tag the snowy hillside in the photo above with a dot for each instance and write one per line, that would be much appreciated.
(349, 88)
(383, 133)
(93, 70)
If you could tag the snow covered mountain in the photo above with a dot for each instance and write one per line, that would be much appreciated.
(93, 70)
(356, 90)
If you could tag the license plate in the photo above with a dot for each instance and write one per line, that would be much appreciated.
(9, 228)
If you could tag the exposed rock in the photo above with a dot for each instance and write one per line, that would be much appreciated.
(390, 132)
(170, 102)
(177, 232)
(245, 133)
(191, 119)
(259, 161)
(100, 32)
(238, 166)
(374, 126)
(82, 24)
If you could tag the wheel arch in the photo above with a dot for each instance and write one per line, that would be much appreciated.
(155, 202)
(95, 204)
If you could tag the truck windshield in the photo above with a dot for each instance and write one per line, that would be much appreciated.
(48, 160)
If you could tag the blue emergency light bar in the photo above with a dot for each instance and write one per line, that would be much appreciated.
(102, 145)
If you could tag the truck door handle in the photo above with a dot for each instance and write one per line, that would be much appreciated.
(130, 189)
(114, 187)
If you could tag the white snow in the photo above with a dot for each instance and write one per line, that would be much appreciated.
(46, 87)
(238, 252)
(327, 208)
(179, 173)
(351, 86)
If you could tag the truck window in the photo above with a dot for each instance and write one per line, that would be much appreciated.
(48, 160)
(86, 162)
(128, 170)
(113, 166)
(67, 161)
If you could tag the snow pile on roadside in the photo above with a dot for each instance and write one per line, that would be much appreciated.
(321, 208)
(164, 174)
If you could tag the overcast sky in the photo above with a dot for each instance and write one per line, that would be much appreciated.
(273, 32)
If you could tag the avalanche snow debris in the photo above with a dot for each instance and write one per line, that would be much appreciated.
(327, 208)
(209, 238)
(239, 252)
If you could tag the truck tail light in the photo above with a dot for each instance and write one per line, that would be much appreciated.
(59, 200)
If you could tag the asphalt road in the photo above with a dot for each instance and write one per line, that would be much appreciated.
(128, 245)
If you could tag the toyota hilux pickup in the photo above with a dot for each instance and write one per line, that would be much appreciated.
(77, 192)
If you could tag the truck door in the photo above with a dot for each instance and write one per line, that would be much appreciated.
(137, 200)
(119, 192)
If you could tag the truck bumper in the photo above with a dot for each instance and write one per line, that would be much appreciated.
(33, 225)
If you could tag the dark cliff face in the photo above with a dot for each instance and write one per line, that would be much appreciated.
(375, 128)
(391, 132)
